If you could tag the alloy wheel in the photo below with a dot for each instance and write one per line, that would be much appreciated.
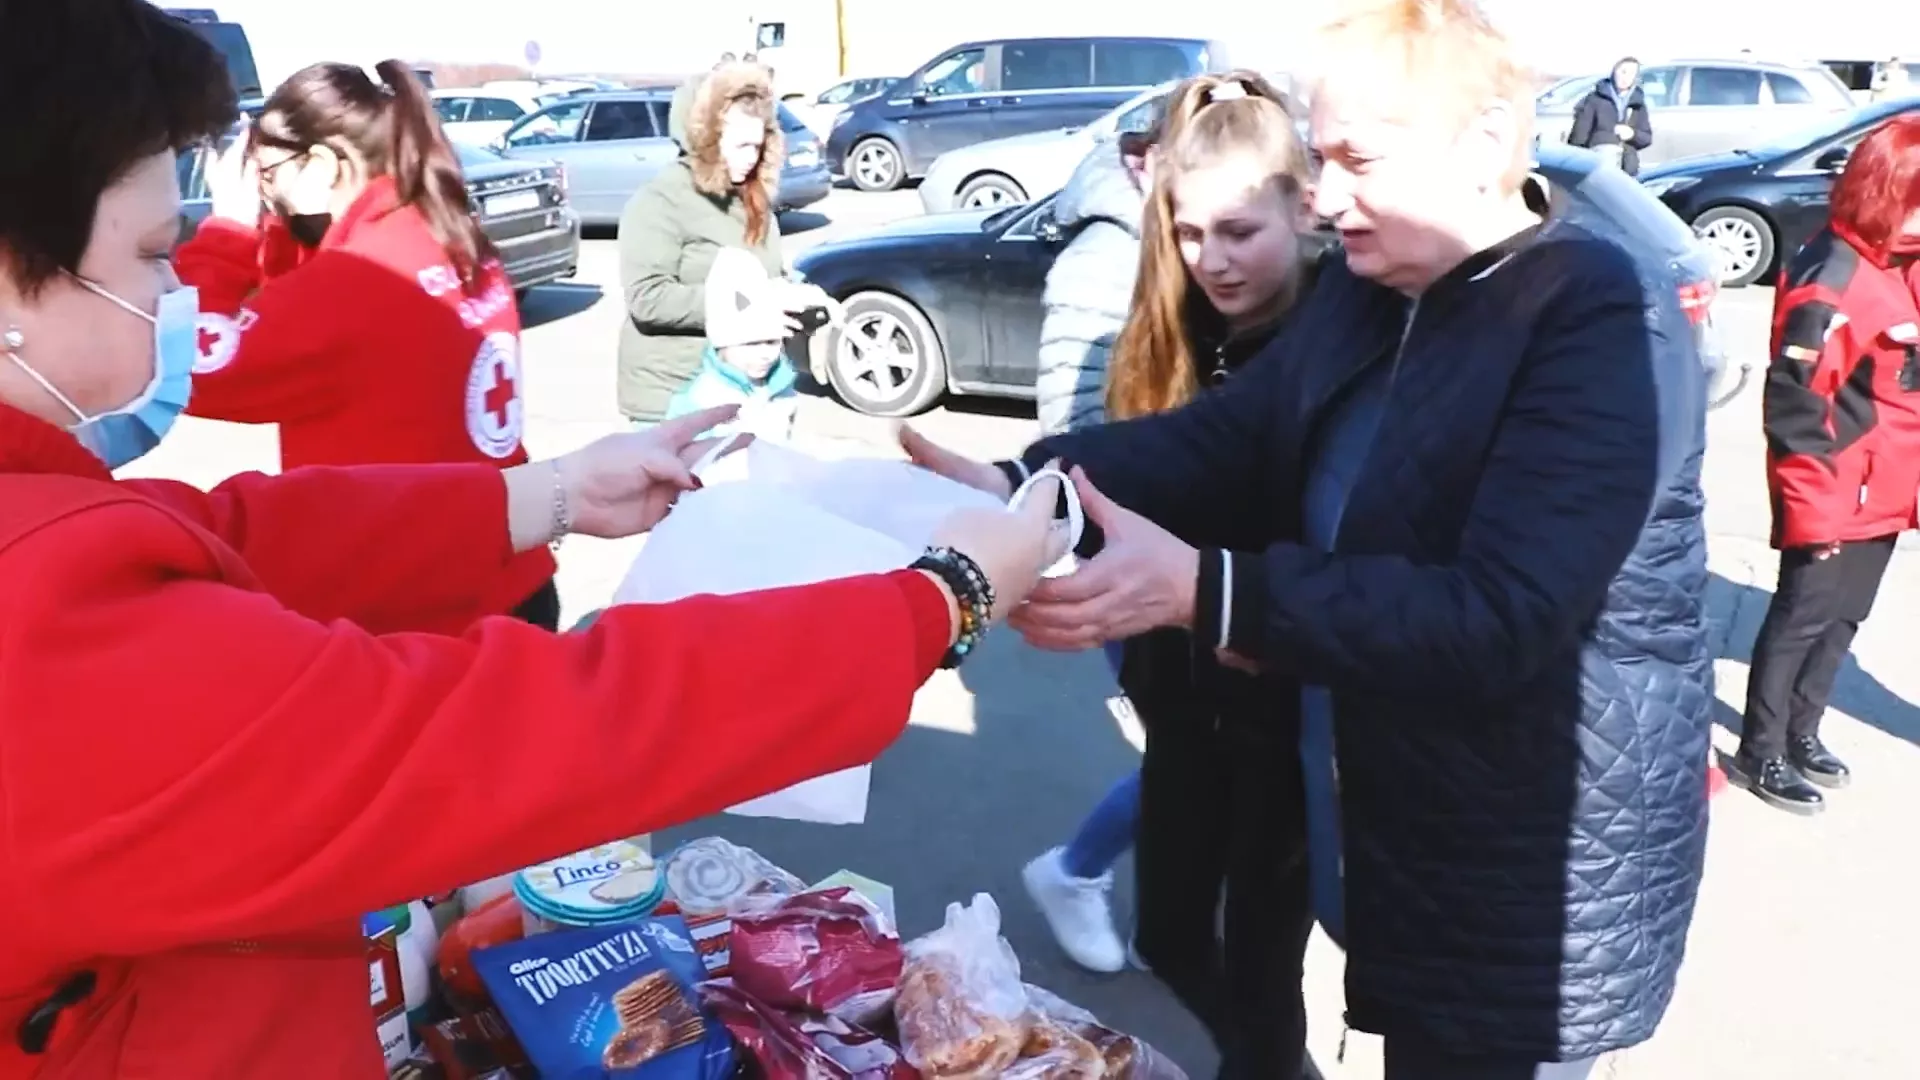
(878, 356)
(1736, 243)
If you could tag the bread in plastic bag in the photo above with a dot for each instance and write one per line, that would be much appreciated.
(962, 1010)
(1124, 1057)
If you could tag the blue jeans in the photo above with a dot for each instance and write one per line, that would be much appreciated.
(1107, 833)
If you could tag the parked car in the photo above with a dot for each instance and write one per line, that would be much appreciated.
(826, 106)
(951, 303)
(1016, 169)
(231, 39)
(613, 143)
(478, 117)
(1712, 106)
(522, 205)
(990, 89)
(1857, 75)
(1753, 206)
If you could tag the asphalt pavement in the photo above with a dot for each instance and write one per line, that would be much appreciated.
(1803, 959)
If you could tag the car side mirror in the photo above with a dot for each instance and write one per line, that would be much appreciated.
(1833, 160)
(919, 97)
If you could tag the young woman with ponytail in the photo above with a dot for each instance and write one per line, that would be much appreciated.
(1216, 807)
(348, 295)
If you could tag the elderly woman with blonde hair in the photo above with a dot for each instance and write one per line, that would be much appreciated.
(1452, 516)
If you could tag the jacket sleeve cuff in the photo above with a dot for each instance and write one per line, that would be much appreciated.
(1229, 601)
(932, 619)
(1015, 471)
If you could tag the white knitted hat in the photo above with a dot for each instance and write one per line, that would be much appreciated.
(741, 301)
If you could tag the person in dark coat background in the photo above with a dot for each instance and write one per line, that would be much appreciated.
(1614, 114)
(1456, 507)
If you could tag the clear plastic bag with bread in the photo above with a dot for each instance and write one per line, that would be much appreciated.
(1066, 1042)
(961, 1008)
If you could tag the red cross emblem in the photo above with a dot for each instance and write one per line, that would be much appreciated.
(499, 397)
(493, 397)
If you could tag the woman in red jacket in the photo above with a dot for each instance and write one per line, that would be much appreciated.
(224, 736)
(348, 295)
(1842, 416)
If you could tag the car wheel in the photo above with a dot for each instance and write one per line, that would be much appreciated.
(1741, 240)
(875, 165)
(990, 190)
(886, 360)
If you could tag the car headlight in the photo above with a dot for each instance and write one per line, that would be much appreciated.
(1668, 185)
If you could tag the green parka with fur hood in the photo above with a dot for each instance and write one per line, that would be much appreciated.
(671, 229)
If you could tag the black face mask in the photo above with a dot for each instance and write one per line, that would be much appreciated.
(309, 229)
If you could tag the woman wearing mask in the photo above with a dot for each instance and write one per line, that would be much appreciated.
(1223, 256)
(1453, 513)
(348, 295)
(226, 735)
(1842, 419)
(719, 194)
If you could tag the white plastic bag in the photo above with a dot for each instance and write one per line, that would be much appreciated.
(789, 519)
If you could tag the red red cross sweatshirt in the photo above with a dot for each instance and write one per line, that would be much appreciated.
(364, 351)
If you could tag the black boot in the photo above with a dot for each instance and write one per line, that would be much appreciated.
(1777, 782)
(1817, 763)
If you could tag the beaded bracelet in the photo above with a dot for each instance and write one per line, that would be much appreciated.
(971, 590)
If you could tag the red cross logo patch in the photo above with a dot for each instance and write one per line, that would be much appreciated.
(494, 413)
(218, 340)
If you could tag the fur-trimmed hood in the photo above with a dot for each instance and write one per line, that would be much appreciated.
(694, 122)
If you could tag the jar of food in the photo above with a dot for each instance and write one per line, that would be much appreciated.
(609, 883)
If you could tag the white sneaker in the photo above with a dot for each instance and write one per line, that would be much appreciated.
(1077, 911)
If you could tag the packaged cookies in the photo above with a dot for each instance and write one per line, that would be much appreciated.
(612, 1001)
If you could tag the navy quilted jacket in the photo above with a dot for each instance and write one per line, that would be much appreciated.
(1511, 624)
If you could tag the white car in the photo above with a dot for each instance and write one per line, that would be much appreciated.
(478, 117)
(831, 102)
(1022, 168)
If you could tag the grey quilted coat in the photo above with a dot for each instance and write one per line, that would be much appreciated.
(1088, 290)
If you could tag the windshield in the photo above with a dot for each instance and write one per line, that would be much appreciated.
(1565, 92)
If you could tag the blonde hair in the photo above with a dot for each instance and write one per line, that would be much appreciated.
(1206, 119)
(1447, 56)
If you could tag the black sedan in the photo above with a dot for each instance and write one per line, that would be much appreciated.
(1754, 206)
(951, 302)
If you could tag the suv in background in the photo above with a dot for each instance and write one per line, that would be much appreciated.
(231, 39)
(993, 89)
(613, 143)
(522, 207)
(1715, 106)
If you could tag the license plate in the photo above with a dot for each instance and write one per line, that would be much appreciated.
(513, 203)
(805, 159)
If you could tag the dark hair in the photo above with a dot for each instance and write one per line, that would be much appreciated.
(1880, 187)
(93, 88)
(392, 127)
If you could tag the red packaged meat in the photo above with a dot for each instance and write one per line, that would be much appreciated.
(821, 952)
(793, 1046)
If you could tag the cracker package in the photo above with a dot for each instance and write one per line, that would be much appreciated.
(610, 1001)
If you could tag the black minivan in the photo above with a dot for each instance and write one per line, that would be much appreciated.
(992, 89)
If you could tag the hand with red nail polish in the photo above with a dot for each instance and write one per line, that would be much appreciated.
(623, 484)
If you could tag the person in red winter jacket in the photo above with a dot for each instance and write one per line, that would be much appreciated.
(1842, 419)
(225, 735)
(348, 295)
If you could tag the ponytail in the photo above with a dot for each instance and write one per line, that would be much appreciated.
(427, 173)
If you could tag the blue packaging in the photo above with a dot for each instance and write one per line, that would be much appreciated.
(609, 1001)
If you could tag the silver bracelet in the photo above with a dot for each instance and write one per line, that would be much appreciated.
(562, 523)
